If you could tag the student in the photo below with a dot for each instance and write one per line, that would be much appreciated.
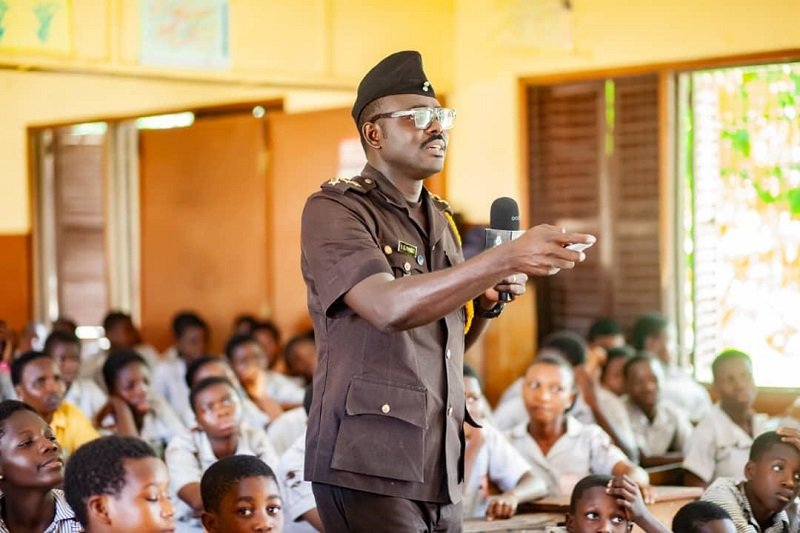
(268, 336)
(560, 449)
(612, 377)
(490, 458)
(609, 505)
(37, 381)
(240, 494)
(605, 333)
(766, 499)
(214, 366)
(133, 410)
(271, 391)
(720, 444)
(65, 348)
(702, 517)
(191, 340)
(299, 504)
(300, 355)
(592, 404)
(31, 467)
(244, 324)
(660, 430)
(219, 433)
(118, 485)
(651, 333)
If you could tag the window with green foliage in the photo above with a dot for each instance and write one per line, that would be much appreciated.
(740, 218)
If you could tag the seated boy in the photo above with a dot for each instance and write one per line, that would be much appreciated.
(659, 429)
(191, 339)
(702, 517)
(37, 382)
(606, 334)
(300, 355)
(560, 449)
(133, 410)
(720, 444)
(65, 348)
(612, 376)
(651, 333)
(212, 365)
(612, 505)
(766, 499)
(219, 433)
(240, 494)
(117, 485)
(490, 458)
(271, 391)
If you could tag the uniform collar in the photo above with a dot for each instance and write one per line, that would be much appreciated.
(59, 420)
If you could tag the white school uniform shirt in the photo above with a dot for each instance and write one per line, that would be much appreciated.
(92, 366)
(511, 411)
(169, 382)
(669, 431)
(64, 520)
(681, 389)
(87, 395)
(496, 460)
(282, 389)
(582, 450)
(298, 497)
(720, 448)
(251, 414)
(189, 454)
(729, 494)
(616, 414)
(285, 429)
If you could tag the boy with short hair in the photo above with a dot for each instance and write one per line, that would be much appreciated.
(219, 433)
(766, 500)
(605, 333)
(702, 517)
(37, 381)
(118, 485)
(612, 376)
(720, 444)
(659, 429)
(240, 494)
(65, 348)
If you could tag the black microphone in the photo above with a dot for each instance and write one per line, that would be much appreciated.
(503, 227)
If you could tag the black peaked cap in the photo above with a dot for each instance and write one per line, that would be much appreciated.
(399, 73)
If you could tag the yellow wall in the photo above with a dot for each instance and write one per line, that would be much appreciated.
(499, 41)
(310, 52)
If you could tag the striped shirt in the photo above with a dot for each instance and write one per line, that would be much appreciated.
(63, 522)
(730, 495)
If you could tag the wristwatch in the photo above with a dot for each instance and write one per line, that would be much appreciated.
(487, 313)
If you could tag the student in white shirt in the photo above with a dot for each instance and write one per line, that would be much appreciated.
(169, 375)
(560, 449)
(300, 354)
(490, 458)
(659, 429)
(219, 433)
(271, 391)
(720, 444)
(651, 333)
(65, 348)
(133, 410)
(290, 425)
(605, 333)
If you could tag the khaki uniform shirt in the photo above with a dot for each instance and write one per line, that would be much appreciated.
(388, 407)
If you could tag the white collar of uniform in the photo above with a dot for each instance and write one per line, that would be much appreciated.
(574, 427)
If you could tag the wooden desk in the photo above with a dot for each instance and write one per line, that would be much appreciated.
(668, 501)
(537, 522)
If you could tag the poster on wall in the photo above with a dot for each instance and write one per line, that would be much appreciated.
(184, 33)
(36, 26)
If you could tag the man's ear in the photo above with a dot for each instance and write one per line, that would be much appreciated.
(97, 509)
(373, 135)
(750, 470)
(570, 523)
(209, 522)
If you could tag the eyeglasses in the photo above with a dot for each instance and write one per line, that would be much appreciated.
(424, 116)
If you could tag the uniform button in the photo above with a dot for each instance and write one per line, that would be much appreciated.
(450, 411)
(448, 354)
(387, 250)
(407, 266)
(385, 409)
(368, 181)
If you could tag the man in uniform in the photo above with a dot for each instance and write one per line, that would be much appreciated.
(393, 302)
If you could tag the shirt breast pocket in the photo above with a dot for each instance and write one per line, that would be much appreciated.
(383, 431)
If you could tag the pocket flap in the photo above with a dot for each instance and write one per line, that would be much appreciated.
(404, 402)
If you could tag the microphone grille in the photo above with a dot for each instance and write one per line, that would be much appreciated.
(504, 214)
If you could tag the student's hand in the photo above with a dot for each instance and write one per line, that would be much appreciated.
(628, 495)
(790, 436)
(502, 506)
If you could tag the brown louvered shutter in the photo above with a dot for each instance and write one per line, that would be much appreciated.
(594, 168)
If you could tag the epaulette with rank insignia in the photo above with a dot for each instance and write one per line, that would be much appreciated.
(441, 203)
(360, 184)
